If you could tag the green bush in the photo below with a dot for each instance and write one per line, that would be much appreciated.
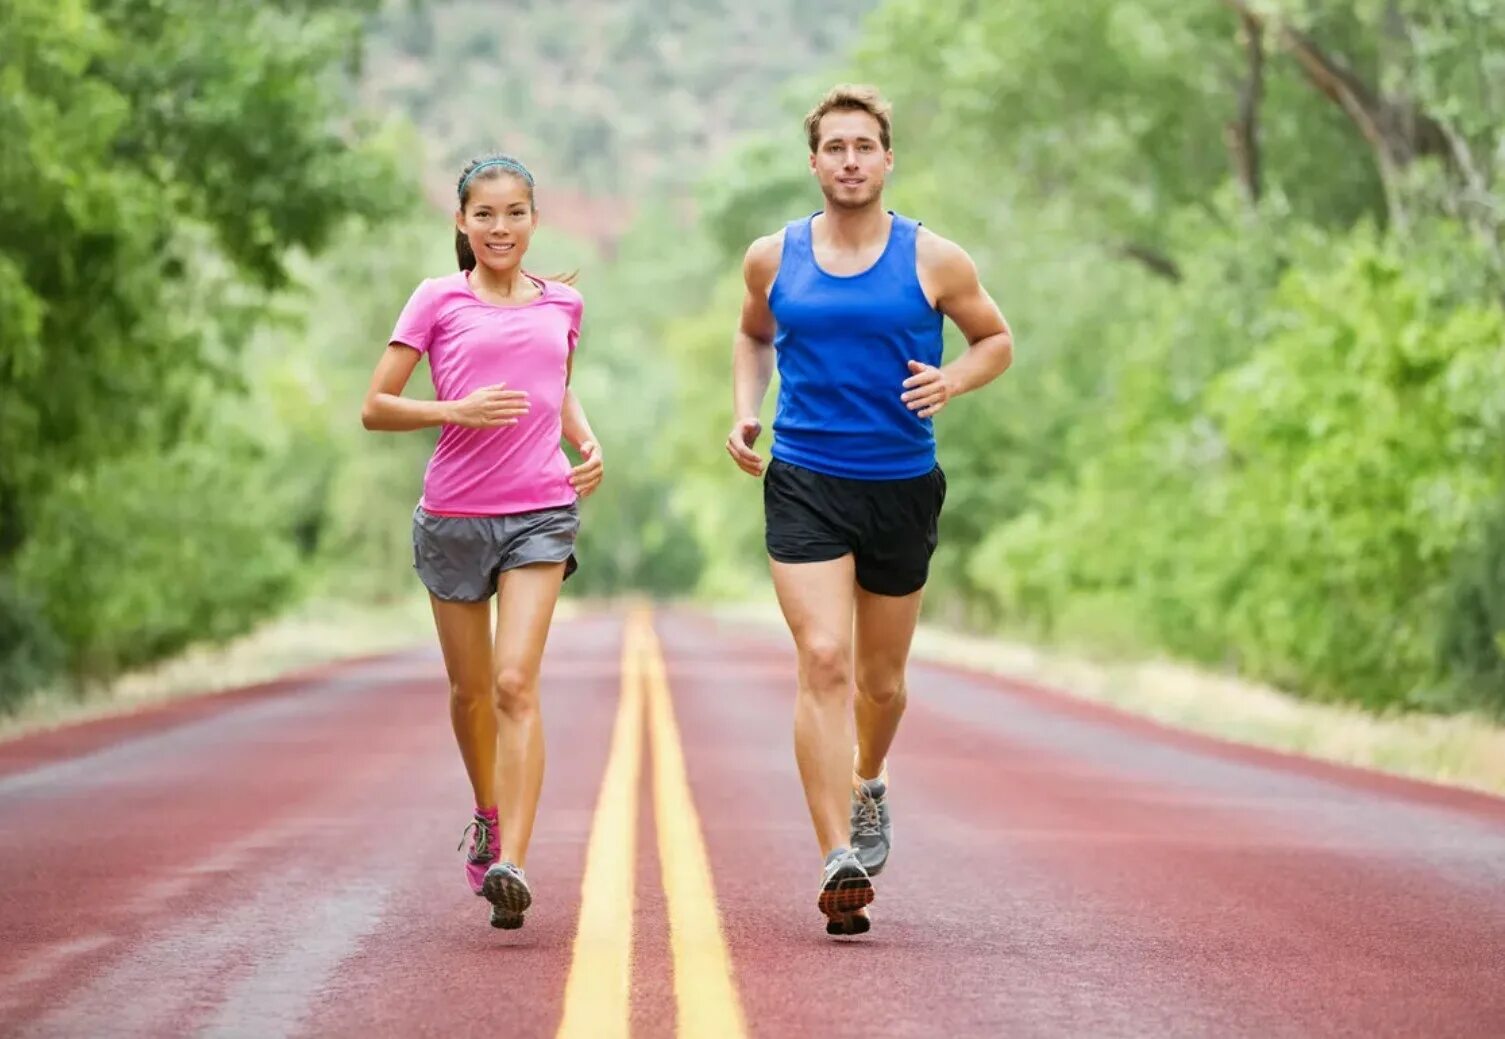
(1472, 641)
(30, 653)
(144, 556)
(1296, 515)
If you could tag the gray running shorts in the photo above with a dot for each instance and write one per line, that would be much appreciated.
(459, 558)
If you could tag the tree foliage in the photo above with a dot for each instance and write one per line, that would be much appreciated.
(1251, 258)
(162, 160)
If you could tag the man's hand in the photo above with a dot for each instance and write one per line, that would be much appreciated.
(926, 390)
(489, 406)
(739, 444)
(586, 476)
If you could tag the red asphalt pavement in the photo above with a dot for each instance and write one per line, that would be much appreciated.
(281, 861)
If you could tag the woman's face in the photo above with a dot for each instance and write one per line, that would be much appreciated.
(498, 219)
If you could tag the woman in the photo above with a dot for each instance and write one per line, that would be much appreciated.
(498, 514)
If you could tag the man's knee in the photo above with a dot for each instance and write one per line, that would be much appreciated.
(826, 665)
(881, 687)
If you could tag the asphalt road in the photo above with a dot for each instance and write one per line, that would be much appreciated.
(281, 861)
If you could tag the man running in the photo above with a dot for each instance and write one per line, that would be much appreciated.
(850, 303)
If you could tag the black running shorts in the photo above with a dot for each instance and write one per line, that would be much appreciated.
(889, 526)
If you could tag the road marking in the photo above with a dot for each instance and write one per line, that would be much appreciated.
(705, 995)
(597, 995)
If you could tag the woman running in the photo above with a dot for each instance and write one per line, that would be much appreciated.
(499, 508)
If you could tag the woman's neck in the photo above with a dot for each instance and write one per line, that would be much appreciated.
(511, 284)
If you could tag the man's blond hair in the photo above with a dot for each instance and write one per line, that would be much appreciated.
(851, 97)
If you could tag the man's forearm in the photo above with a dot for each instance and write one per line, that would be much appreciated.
(752, 371)
(983, 361)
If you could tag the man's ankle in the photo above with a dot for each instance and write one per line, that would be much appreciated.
(860, 776)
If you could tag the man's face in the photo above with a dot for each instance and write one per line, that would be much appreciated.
(850, 161)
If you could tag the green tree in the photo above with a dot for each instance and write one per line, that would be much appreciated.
(163, 160)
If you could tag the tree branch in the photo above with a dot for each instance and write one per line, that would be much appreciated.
(1398, 132)
(1154, 260)
(1242, 136)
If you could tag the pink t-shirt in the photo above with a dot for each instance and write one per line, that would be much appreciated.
(471, 343)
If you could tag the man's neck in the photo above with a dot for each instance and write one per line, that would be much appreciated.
(855, 228)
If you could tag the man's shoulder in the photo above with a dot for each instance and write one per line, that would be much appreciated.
(761, 262)
(941, 258)
(767, 247)
(933, 248)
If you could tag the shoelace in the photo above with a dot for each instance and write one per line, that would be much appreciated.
(867, 823)
(480, 851)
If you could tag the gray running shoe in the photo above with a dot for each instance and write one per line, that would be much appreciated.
(845, 893)
(507, 890)
(872, 829)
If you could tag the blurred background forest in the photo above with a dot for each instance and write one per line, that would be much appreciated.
(1252, 253)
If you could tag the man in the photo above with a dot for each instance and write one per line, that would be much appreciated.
(849, 303)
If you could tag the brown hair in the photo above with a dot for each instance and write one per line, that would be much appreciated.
(488, 167)
(852, 97)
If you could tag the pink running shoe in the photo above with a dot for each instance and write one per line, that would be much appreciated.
(483, 853)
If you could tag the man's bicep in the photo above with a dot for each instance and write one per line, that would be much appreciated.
(967, 303)
(757, 317)
(759, 267)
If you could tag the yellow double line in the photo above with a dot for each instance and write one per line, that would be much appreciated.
(597, 995)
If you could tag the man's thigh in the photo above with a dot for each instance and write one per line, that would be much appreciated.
(885, 631)
(817, 600)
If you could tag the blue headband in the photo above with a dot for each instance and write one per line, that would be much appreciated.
(504, 163)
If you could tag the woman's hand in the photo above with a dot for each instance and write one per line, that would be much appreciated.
(488, 407)
(586, 476)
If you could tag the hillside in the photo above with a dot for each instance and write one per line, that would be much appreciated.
(609, 100)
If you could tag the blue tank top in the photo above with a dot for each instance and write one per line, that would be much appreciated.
(843, 345)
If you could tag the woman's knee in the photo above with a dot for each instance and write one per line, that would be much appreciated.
(515, 691)
(469, 694)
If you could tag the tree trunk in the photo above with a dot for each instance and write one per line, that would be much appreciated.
(1242, 136)
(1156, 261)
(1397, 130)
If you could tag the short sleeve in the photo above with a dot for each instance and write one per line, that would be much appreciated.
(416, 322)
(577, 310)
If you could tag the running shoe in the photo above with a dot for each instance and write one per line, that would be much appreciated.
(845, 893)
(507, 890)
(483, 853)
(872, 829)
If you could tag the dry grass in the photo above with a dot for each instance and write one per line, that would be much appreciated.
(1459, 750)
(315, 633)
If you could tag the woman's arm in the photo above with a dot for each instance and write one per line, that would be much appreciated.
(586, 476)
(385, 408)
